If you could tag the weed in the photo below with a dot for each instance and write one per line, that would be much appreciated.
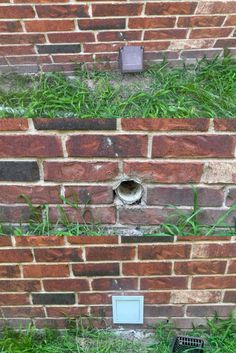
(219, 336)
(207, 89)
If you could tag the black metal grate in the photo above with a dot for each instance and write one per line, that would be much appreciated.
(187, 344)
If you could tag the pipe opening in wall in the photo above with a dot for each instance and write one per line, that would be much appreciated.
(129, 191)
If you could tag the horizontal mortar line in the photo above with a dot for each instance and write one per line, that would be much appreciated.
(176, 160)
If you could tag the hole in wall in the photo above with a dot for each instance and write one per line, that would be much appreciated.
(129, 191)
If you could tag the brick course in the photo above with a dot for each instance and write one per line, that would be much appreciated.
(52, 35)
(183, 279)
(83, 160)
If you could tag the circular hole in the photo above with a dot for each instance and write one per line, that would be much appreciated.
(129, 191)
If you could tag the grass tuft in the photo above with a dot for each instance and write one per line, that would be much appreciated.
(206, 89)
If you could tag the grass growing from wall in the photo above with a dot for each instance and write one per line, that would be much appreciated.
(219, 335)
(178, 223)
(207, 89)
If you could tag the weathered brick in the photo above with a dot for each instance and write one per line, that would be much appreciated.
(65, 285)
(144, 216)
(30, 146)
(9, 271)
(58, 255)
(39, 241)
(163, 252)
(14, 299)
(62, 11)
(89, 194)
(163, 283)
(80, 171)
(110, 253)
(75, 124)
(57, 323)
(195, 297)
(165, 124)
(36, 194)
(163, 311)
(24, 312)
(210, 310)
(232, 266)
(210, 146)
(54, 299)
(146, 268)
(14, 256)
(19, 171)
(19, 286)
(214, 250)
(184, 196)
(84, 239)
(108, 10)
(230, 296)
(167, 173)
(200, 267)
(5, 241)
(107, 146)
(104, 215)
(108, 284)
(13, 124)
(212, 282)
(96, 270)
(66, 311)
(44, 271)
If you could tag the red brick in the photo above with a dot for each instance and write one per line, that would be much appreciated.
(13, 124)
(165, 34)
(10, 26)
(107, 146)
(165, 124)
(14, 256)
(89, 194)
(214, 250)
(36, 194)
(200, 21)
(231, 197)
(163, 252)
(195, 297)
(142, 216)
(173, 8)
(15, 213)
(101, 311)
(42, 271)
(30, 146)
(69, 37)
(209, 310)
(5, 241)
(230, 296)
(110, 284)
(14, 299)
(200, 267)
(66, 311)
(232, 266)
(80, 171)
(104, 214)
(212, 282)
(146, 268)
(210, 146)
(163, 283)
(9, 271)
(167, 173)
(62, 11)
(24, 312)
(163, 311)
(49, 25)
(51, 323)
(231, 21)
(66, 285)
(184, 196)
(112, 10)
(225, 124)
(96, 270)
(114, 36)
(16, 12)
(19, 286)
(39, 241)
(58, 255)
(210, 33)
(94, 298)
(146, 22)
(93, 240)
(216, 7)
(110, 253)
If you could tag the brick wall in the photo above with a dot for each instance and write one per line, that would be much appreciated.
(45, 280)
(48, 158)
(53, 35)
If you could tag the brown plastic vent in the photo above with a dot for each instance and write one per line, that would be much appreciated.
(188, 344)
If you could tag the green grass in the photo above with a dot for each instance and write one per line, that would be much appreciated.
(219, 336)
(207, 89)
(178, 223)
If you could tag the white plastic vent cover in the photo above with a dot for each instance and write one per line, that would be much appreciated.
(127, 309)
